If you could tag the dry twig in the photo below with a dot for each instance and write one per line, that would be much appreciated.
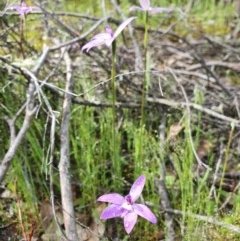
(64, 164)
(15, 142)
(210, 220)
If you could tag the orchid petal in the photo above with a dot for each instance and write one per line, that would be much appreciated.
(114, 198)
(109, 30)
(145, 4)
(127, 206)
(34, 8)
(137, 188)
(129, 220)
(27, 10)
(121, 27)
(93, 43)
(108, 37)
(15, 7)
(112, 211)
(135, 8)
(97, 40)
(159, 10)
(22, 9)
(143, 211)
(102, 36)
(109, 42)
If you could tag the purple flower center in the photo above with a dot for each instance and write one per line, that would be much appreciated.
(109, 30)
(128, 199)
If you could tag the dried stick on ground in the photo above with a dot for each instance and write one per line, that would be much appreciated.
(16, 141)
(165, 204)
(210, 220)
(65, 182)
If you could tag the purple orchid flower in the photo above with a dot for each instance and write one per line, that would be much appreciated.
(126, 208)
(145, 6)
(22, 9)
(108, 37)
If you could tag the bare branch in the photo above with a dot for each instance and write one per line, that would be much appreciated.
(65, 182)
(15, 143)
(165, 203)
(206, 219)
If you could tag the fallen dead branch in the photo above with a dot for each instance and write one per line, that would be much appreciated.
(210, 220)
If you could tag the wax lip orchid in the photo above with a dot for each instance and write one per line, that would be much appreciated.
(145, 6)
(126, 208)
(108, 37)
(22, 9)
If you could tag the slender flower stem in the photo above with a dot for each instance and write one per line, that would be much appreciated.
(144, 87)
(22, 27)
(113, 75)
(108, 38)
(146, 38)
(226, 159)
(114, 146)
